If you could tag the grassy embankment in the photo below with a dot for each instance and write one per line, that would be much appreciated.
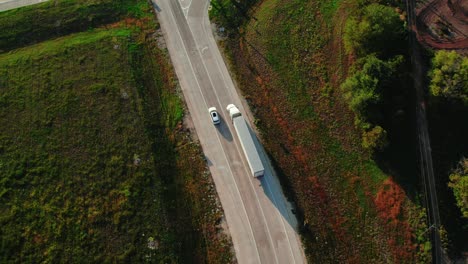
(290, 62)
(94, 164)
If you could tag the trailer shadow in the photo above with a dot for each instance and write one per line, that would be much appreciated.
(272, 188)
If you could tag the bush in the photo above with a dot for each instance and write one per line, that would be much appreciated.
(375, 139)
(459, 184)
(231, 13)
(449, 76)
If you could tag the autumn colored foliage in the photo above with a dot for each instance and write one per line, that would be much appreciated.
(389, 202)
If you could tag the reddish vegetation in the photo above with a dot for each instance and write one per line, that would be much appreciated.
(329, 209)
(389, 203)
(442, 24)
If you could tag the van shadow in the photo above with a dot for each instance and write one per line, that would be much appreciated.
(272, 188)
(223, 129)
(155, 6)
(208, 161)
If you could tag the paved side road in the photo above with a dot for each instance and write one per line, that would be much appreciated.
(12, 4)
(260, 221)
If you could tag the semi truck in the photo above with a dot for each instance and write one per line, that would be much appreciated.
(246, 140)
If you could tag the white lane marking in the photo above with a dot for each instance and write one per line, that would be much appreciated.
(217, 136)
(185, 8)
(241, 153)
(271, 169)
(185, 11)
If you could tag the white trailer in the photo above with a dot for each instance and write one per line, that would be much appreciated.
(247, 143)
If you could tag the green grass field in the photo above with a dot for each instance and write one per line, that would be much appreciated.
(73, 129)
(94, 165)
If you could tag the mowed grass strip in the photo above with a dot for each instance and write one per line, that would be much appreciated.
(80, 180)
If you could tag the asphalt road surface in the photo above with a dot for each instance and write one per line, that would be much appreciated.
(12, 4)
(260, 221)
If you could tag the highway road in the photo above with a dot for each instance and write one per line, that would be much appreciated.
(259, 218)
(12, 4)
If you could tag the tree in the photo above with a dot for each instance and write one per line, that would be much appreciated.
(364, 89)
(449, 76)
(459, 184)
(231, 13)
(361, 91)
(378, 30)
